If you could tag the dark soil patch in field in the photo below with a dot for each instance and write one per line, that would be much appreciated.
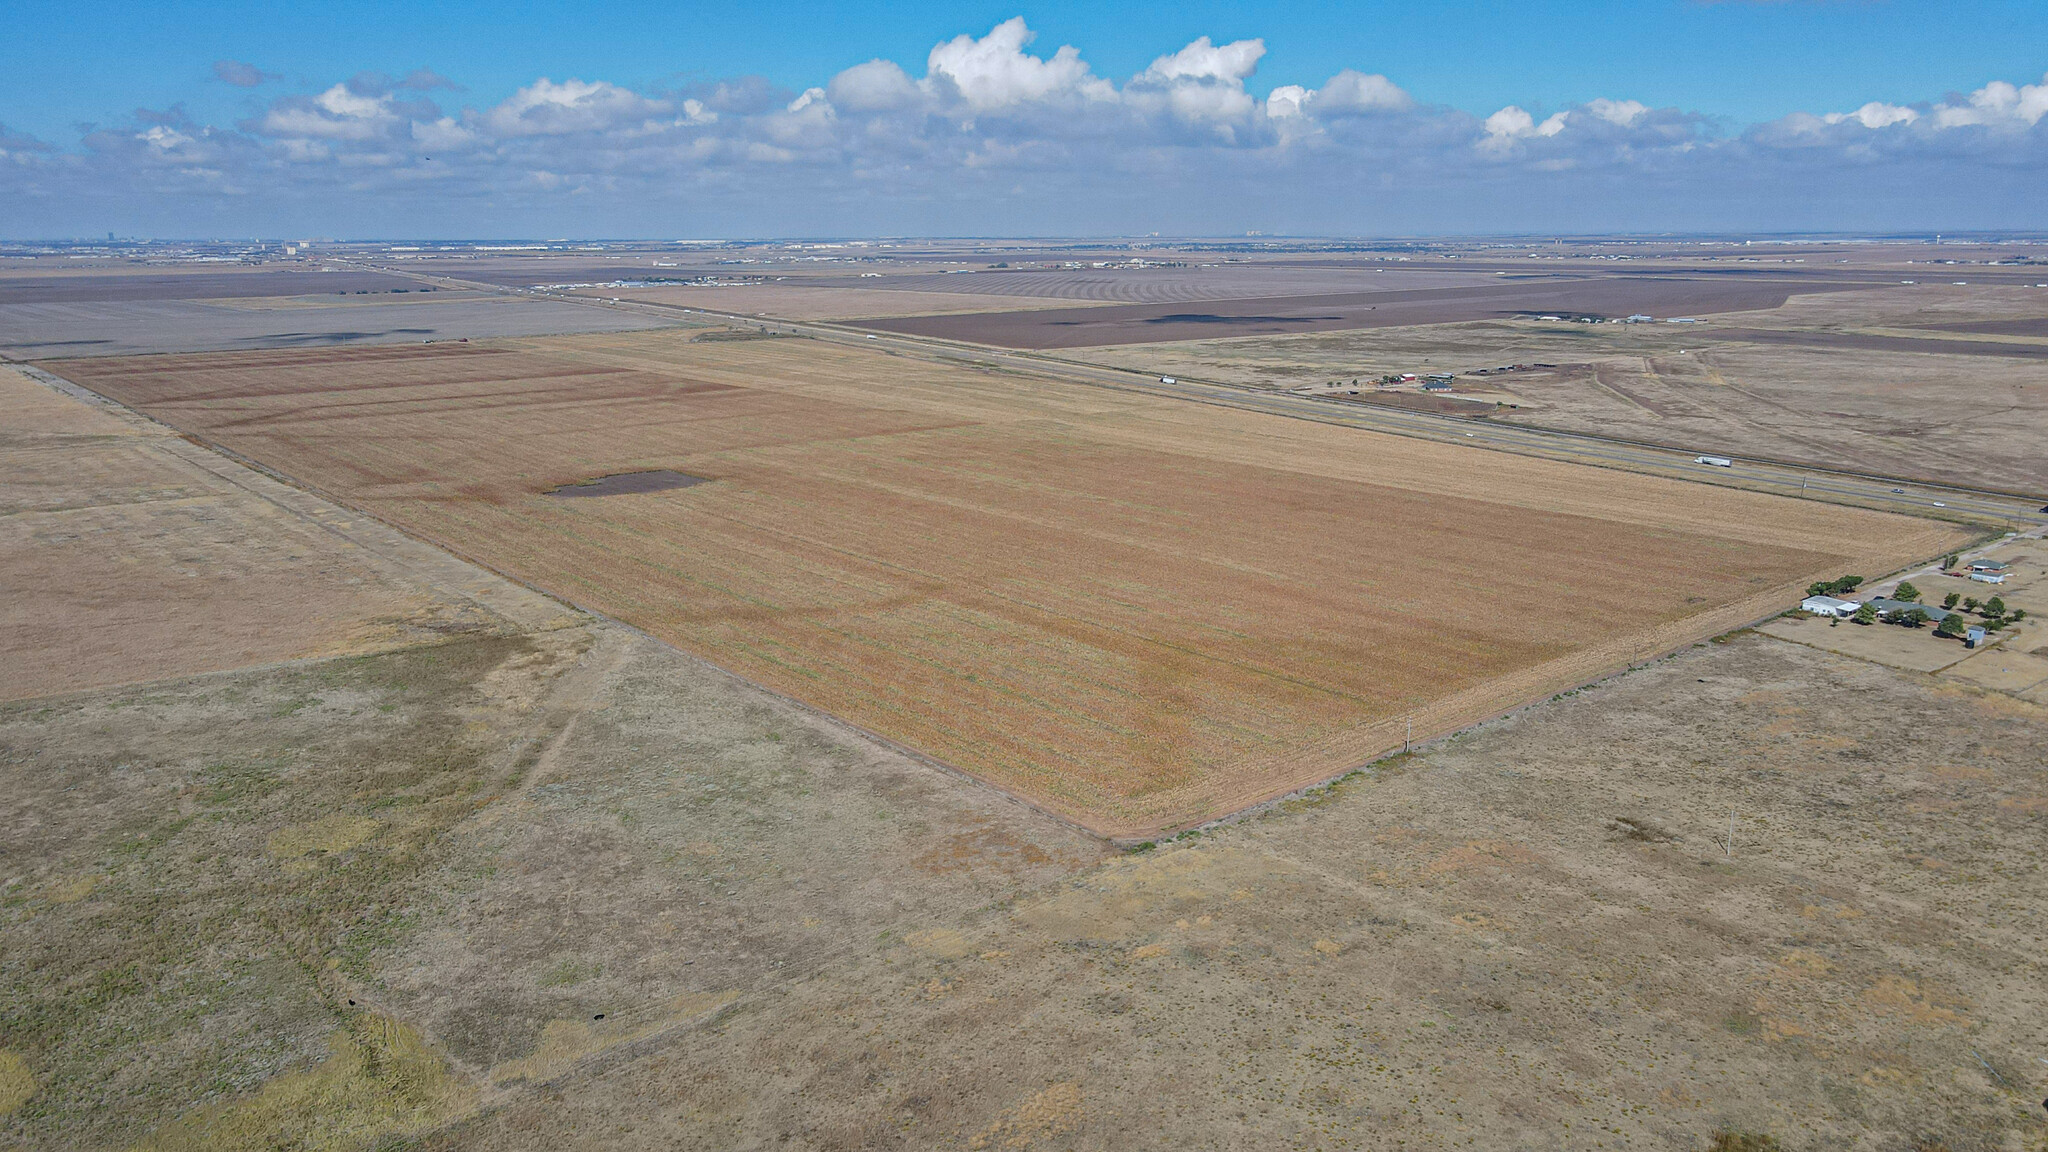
(629, 483)
(1211, 318)
(2037, 326)
(1268, 315)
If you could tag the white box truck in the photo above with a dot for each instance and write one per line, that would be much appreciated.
(1716, 461)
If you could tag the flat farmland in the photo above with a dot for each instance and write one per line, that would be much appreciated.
(1927, 403)
(843, 299)
(1135, 612)
(1150, 323)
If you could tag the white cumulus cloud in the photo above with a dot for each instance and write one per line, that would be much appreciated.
(1998, 103)
(1875, 114)
(1353, 93)
(545, 108)
(995, 72)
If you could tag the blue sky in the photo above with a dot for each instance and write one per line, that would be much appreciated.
(1726, 79)
(1747, 61)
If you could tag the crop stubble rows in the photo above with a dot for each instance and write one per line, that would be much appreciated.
(1135, 612)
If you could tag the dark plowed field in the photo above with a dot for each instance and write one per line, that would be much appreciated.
(1277, 315)
(191, 286)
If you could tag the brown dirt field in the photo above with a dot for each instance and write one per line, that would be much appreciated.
(1159, 323)
(1138, 613)
(96, 506)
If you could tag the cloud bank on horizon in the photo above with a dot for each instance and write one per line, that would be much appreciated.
(996, 138)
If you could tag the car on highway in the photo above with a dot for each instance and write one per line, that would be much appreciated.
(1898, 491)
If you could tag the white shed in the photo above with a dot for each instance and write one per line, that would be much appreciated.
(1830, 606)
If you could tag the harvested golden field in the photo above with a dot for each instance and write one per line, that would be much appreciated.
(1139, 613)
(132, 555)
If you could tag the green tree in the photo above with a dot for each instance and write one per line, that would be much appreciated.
(1818, 588)
(1911, 618)
(1906, 591)
(1994, 607)
(1949, 601)
(1951, 625)
(1970, 604)
(1845, 584)
(1949, 561)
(2019, 614)
(1865, 615)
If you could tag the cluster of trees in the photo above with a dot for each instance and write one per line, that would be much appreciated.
(1996, 615)
(1837, 587)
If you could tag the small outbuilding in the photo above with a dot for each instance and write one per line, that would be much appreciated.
(1988, 571)
(1974, 636)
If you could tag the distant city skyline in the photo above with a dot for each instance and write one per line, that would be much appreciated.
(1192, 119)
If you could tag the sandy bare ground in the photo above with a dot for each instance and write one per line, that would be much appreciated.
(1137, 613)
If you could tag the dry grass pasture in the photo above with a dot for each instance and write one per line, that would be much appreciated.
(1909, 411)
(1135, 612)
